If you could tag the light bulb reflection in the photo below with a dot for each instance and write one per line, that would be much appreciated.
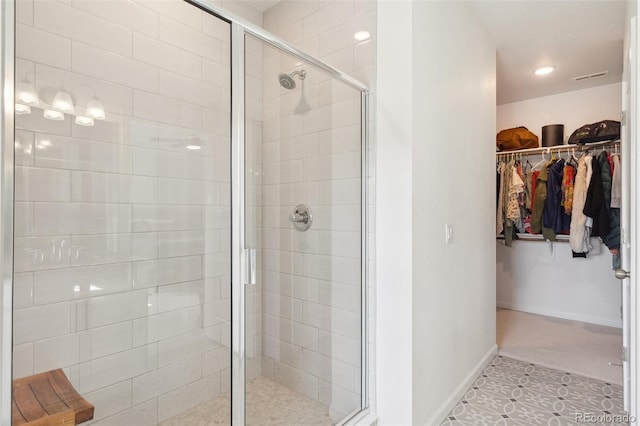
(26, 93)
(43, 144)
(50, 114)
(22, 109)
(84, 121)
(63, 102)
(95, 109)
(362, 35)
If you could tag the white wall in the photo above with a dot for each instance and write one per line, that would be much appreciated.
(532, 278)
(436, 308)
(528, 278)
(394, 114)
(453, 177)
(573, 109)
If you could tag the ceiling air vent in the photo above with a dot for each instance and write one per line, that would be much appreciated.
(591, 76)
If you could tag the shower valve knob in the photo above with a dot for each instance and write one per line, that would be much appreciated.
(301, 217)
(295, 217)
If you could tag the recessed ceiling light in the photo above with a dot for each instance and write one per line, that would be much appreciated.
(194, 147)
(544, 70)
(362, 35)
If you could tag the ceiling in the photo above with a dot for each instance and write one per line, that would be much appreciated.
(578, 37)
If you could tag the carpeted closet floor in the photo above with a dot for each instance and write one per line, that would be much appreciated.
(571, 346)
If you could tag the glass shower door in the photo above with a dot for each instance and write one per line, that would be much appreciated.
(122, 206)
(303, 195)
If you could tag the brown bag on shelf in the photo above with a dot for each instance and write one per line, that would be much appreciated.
(516, 138)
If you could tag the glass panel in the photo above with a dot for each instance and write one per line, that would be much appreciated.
(304, 315)
(122, 247)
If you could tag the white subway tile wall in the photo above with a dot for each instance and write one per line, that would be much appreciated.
(122, 248)
(311, 279)
(122, 232)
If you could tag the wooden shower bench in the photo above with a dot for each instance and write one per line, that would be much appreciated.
(48, 399)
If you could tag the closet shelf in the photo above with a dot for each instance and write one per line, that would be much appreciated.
(536, 237)
(557, 148)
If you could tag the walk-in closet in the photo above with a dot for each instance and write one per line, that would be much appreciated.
(560, 306)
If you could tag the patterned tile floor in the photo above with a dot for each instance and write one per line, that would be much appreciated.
(513, 392)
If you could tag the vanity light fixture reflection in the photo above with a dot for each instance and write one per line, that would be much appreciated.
(43, 144)
(63, 102)
(81, 120)
(95, 109)
(21, 109)
(53, 115)
(362, 35)
(26, 93)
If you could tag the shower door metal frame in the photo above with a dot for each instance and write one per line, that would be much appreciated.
(239, 270)
(7, 76)
(238, 230)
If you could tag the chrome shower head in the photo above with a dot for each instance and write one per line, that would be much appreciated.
(287, 81)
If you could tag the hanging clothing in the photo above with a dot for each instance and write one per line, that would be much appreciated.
(534, 179)
(595, 204)
(526, 201)
(554, 216)
(527, 187)
(497, 186)
(610, 161)
(616, 183)
(509, 228)
(516, 188)
(612, 238)
(568, 182)
(537, 226)
(500, 212)
(577, 239)
(589, 163)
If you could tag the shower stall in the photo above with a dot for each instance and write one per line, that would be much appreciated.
(183, 217)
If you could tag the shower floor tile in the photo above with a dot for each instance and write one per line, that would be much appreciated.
(513, 392)
(268, 403)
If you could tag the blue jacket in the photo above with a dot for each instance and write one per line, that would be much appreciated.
(554, 216)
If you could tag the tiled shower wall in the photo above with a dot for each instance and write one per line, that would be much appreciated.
(122, 234)
(139, 226)
(311, 279)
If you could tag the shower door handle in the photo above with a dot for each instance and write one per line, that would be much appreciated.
(250, 256)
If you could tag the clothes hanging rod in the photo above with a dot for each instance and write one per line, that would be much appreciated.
(560, 148)
(560, 238)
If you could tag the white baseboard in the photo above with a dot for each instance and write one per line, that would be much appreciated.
(440, 415)
(559, 314)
